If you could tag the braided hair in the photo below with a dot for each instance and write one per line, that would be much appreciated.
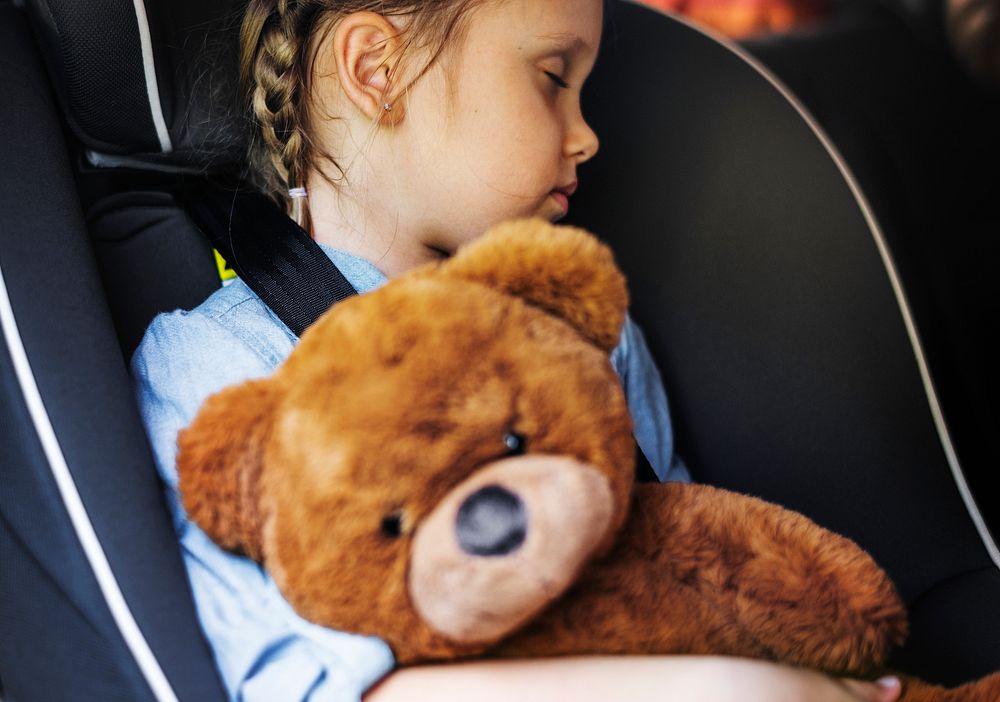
(275, 67)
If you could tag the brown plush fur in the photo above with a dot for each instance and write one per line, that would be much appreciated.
(572, 277)
(227, 450)
(725, 573)
(395, 401)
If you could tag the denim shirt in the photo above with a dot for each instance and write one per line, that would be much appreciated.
(263, 649)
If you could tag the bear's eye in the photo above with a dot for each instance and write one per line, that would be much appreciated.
(514, 442)
(392, 526)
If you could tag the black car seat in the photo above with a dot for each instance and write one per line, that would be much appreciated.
(921, 136)
(94, 601)
(771, 300)
(756, 268)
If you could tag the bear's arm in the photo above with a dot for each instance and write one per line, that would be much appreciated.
(701, 570)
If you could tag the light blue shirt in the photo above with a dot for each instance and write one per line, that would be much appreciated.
(264, 651)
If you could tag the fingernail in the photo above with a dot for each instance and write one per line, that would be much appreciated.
(889, 682)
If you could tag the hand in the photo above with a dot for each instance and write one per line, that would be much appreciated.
(743, 680)
(883, 690)
(636, 678)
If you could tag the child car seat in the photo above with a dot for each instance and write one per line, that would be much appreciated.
(753, 268)
(921, 136)
(94, 601)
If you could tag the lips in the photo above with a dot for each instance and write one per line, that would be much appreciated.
(567, 190)
(562, 194)
(561, 200)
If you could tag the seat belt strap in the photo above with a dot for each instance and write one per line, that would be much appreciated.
(280, 262)
(273, 255)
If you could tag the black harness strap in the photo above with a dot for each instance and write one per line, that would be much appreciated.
(273, 255)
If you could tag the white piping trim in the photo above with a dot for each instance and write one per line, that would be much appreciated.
(149, 68)
(102, 160)
(890, 268)
(130, 631)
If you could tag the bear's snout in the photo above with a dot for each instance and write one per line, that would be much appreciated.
(491, 522)
(506, 542)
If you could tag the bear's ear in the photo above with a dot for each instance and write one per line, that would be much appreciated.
(564, 270)
(219, 461)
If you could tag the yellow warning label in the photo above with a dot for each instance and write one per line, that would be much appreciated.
(226, 274)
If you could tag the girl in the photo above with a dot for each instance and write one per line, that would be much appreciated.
(413, 125)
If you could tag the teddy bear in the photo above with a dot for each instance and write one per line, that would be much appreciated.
(447, 463)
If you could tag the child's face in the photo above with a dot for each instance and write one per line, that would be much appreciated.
(492, 133)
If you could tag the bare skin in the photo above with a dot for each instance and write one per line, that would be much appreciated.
(586, 679)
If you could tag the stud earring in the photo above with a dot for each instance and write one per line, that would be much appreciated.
(387, 106)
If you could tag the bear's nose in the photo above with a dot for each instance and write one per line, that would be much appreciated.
(491, 522)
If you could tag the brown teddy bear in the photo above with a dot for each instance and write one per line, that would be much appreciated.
(447, 463)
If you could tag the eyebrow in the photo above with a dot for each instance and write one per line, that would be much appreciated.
(566, 42)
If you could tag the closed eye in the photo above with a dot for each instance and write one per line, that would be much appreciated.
(557, 79)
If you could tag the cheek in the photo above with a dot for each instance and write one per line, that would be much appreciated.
(507, 137)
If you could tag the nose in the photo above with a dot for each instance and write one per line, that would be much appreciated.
(491, 522)
(581, 142)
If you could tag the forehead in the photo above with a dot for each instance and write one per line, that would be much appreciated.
(570, 25)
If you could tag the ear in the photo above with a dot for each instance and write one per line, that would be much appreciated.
(367, 48)
(219, 462)
(564, 270)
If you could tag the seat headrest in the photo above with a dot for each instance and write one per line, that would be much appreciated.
(152, 82)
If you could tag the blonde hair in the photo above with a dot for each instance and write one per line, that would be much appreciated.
(275, 68)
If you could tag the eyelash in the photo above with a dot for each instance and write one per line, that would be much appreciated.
(556, 79)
